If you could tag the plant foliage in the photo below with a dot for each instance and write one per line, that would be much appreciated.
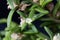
(29, 12)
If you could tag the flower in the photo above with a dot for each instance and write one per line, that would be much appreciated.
(22, 22)
(28, 20)
(17, 36)
(56, 37)
(14, 36)
(45, 39)
(35, 1)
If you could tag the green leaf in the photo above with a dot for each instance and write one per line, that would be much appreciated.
(34, 6)
(41, 2)
(56, 8)
(21, 14)
(12, 27)
(58, 26)
(0, 38)
(2, 33)
(33, 28)
(10, 17)
(8, 35)
(38, 16)
(47, 19)
(3, 20)
(17, 2)
(29, 32)
(45, 24)
(23, 26)
(42, 36)
(10, 3)
(13, 3)
(41, 10)
(32, 37)
(32, 13)
(49, 32)
(44, 2)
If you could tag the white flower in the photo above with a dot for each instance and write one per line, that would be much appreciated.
(56, 37)
(17, 36)
(28, 20)
(14, 36)
(22, 22)
(45, 39)
(35, 1)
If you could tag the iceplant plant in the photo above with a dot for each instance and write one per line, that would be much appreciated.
(29, 11)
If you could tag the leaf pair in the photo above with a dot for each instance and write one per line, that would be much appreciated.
(33, 30)
(44, 2)
(10, 27)
(10, 17)
(49, 32)
(32, 10)
(13, 3)
(42, 36)
(8, 35)
(57, 6)
(21, 14)
(41, 11)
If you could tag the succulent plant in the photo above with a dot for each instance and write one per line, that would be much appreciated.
(30, 11)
